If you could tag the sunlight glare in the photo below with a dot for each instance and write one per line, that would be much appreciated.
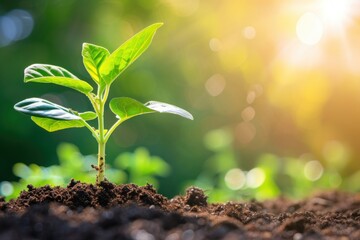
(335, 12)
(309, 28)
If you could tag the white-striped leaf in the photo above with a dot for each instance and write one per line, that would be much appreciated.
(44, 73)
(42, 108)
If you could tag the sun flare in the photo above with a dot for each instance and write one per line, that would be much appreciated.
(323, 17)
(335, 12)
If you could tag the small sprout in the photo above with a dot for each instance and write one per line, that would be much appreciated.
(103, 67)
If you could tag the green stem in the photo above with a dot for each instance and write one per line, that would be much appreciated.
(101, 163)
(93, 103)
(112, 129)
(106, 93)
(102, 140)
(101, 145)
(94, 133)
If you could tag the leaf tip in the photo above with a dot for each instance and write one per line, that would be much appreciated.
(190, 117)
(168, 108)
(157, 25)
(16, 107)
(27, 71)
(85, 45)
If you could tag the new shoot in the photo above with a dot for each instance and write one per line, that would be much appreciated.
(104, 67)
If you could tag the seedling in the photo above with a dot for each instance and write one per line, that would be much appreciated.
(103, 68)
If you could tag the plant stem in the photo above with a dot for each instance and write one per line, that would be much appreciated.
(113, 127)
(101, 163)
(94, 133)
(101, 146)
(93, 103)
(101, 138)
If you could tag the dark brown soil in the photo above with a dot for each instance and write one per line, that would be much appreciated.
(83, 211)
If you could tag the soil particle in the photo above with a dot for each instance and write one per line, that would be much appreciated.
(195, 197)
(128, 211)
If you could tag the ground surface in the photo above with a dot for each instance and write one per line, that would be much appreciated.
(82, 211)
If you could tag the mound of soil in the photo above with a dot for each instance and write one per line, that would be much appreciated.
(108, 211)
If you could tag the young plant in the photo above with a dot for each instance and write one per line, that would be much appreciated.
(103, 68)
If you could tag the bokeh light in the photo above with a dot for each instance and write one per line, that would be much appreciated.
(14, 26)
(6, 188)
(215, 85)
(251, 97)
(255, 178)
(309, 28)
(215, 44)
(248, 114)
(249, 32)
(235, 179)
(313, 170)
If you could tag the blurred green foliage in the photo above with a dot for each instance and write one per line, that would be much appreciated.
(236, 65)
(268, 176)
(142, 168)
(222, 177)
(138, 167)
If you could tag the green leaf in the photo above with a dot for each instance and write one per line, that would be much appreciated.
(87, 116)
(42, 108)
(126, 108)
(127, 53)
(93, 57)
(44, 73)
(52, 125)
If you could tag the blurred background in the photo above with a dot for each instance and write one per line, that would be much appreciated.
(274, 89)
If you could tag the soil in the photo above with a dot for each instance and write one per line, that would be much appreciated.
(108, 211)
